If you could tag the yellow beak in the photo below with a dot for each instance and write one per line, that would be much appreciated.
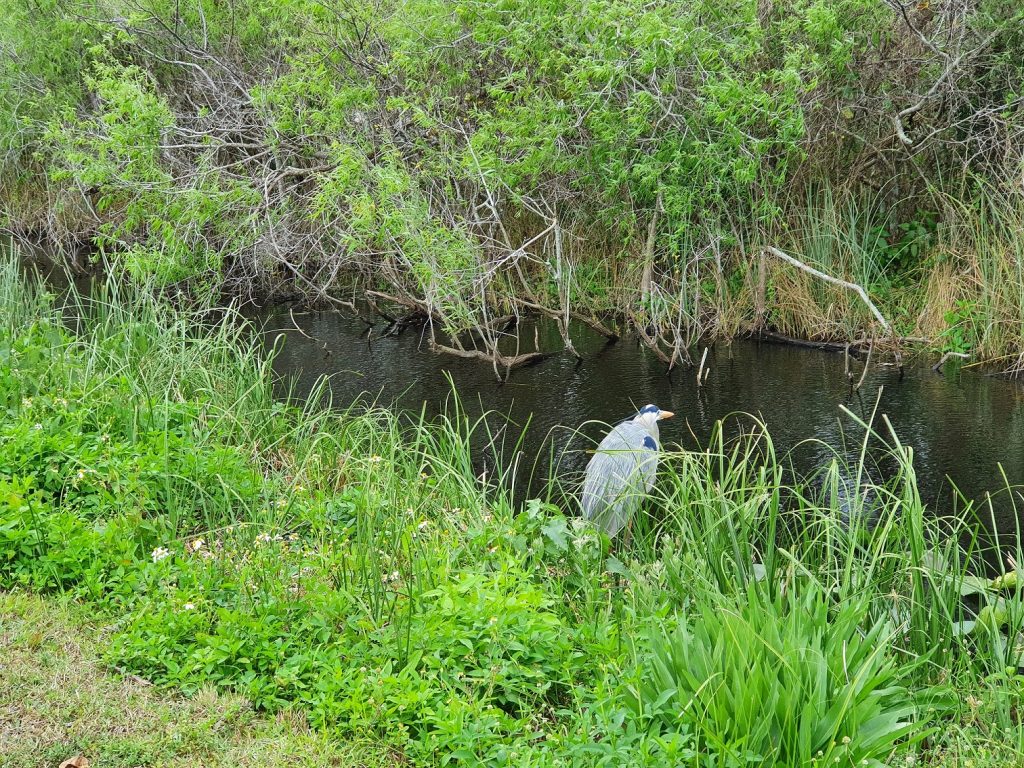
(665, 415)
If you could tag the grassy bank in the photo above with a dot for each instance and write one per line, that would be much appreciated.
(350, 569)
(60, 699)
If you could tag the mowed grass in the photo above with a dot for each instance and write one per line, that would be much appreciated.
(352, 569)
(59, 699)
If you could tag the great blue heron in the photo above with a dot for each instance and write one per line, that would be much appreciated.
(622, 470)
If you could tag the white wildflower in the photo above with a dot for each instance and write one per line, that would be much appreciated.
(26, 402)
(37, 426)
(376, 459)
(160, 553)
(263, 538)
(197, 544)
(424, 524)
(189, 606)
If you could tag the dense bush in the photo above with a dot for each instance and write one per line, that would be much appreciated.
(644, 152)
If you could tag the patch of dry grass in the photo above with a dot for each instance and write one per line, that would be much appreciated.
(58, 700)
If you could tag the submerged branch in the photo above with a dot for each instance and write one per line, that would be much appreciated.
(938, 366)
(589, 320)
(498, 360)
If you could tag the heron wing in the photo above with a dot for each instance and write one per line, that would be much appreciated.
(619, 475)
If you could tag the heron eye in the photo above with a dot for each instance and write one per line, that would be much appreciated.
(650, 444)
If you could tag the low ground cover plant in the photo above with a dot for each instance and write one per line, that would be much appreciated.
(351, 565)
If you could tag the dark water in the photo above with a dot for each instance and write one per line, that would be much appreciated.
(964, 427)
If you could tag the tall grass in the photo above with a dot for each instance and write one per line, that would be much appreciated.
(358, 566)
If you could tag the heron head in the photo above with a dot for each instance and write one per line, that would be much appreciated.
(650, 415)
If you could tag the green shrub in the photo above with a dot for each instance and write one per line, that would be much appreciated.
(792, 681)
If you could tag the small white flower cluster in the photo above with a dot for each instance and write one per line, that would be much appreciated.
(198, 547)
(160, 553)
(266, 538)
(81, 474)
(390, 578)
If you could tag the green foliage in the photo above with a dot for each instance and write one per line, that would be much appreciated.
(156, 228)
(354, 567)
(415, 146)
(961, 335)
(783, 681)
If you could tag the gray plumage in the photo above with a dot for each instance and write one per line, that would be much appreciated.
(622, 471)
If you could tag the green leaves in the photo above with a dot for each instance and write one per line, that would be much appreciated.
(785, 681)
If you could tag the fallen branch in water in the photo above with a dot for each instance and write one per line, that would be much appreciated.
(588, 320)
(652, 344)
(835, 281)
(498, 360)
(825, 346)
(938, 366)
(416, 306)
(295, 324)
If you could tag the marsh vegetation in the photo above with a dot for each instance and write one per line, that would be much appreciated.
(829, 171)
(350, 565)
(628, 164)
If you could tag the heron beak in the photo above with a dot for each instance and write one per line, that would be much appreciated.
(665, 415)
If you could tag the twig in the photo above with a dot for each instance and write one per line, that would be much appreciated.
(700, 369)
(938, 366)
(867, 364)
(835, 281)
(914, 108)
(652, 234)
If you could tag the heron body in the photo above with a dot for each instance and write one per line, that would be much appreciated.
(622, 471)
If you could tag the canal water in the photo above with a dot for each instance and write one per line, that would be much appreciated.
(966, 429)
